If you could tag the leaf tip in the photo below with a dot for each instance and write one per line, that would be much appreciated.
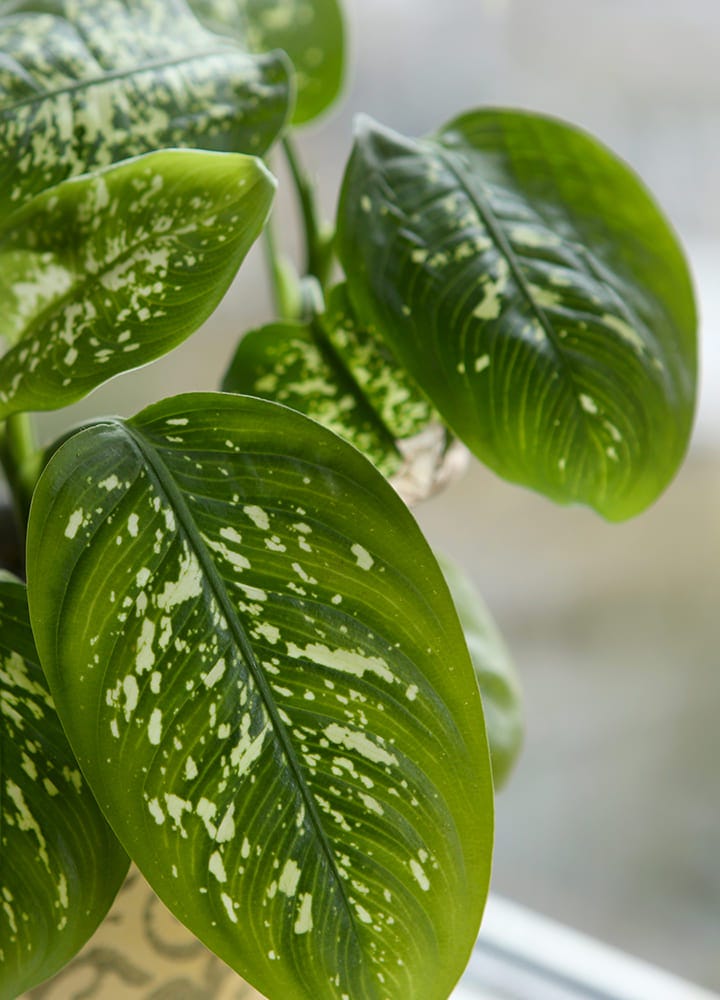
(266, 176)
(363, 125)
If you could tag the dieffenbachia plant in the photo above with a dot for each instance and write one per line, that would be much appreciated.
(236, 660)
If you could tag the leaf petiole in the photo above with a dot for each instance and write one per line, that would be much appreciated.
(318, 237)
(21, 459)
(284, 280)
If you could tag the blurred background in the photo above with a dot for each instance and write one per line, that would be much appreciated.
(611, 822)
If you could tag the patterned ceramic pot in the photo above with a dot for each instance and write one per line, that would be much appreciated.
(141, 952)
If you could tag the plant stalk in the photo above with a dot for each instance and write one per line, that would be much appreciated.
(21, 460)
(318, 242)
(283, 280)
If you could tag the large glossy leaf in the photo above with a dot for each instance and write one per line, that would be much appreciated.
(261, 671)
(60, 865)
(108, 271)
(310, 31)
(86, 83)
(535, 292)
(338, 374)
(494, 669)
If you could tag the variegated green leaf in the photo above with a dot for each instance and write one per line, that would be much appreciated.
(108, 271)
(60, 865)
(341, 376)
(291, 363)
(385, 384)
(86, 83)
(535, 292)
(310, 31)
(259, 666)
(494, 669)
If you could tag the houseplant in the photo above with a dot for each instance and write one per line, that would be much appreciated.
(262, 689)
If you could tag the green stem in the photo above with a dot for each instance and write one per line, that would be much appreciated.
(282, 278)
(21, 460)
(318, 255)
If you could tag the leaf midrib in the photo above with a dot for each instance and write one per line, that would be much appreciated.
(339, 361)
(494, 228)
(341, 369)
(187, 523)
(145, 67)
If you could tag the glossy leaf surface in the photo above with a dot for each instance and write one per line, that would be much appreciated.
(261, 671)
(494, 669)
(60, 865)
(534, 291)
(111, 270)
(88, 83)
(338, 374)
(310, 31)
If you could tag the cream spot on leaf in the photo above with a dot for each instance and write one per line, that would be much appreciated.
(304, 921)
(74, 522)
(353, 739)
(289, 878)
(343, 660)
(216, 867)
(362, 556)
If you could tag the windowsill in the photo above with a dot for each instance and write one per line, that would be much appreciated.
(521, 955)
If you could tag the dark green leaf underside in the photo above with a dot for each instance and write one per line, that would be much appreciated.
(534, 291)
(278, 712)
(60, 865)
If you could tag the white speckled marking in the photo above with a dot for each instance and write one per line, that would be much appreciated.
(588, 403)
(364, 559)
(229, 907)
(155, 727)
(304, 921)
(419, 875)
(342, 660)
(289, 878)
(74, 522)
(355, 740)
